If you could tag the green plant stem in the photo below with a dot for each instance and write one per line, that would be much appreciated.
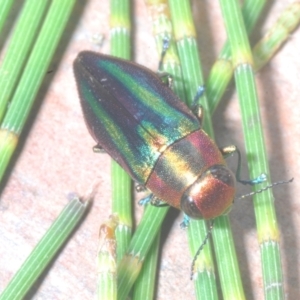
(256, 154)
(185, 36)
(21, 41)
(276, 35)
(162, 30)
(4, 11)
(120, 180)
(32, 77)
(107, 261)
(222, 71)
(131, 264)
(144, 287)
(45, 250)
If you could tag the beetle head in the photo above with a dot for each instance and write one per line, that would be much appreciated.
(211, 195)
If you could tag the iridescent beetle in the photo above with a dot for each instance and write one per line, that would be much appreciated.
(155, 137)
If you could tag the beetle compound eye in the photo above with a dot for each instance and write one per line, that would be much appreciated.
(211, 195)
(189, 207)
(223, 174)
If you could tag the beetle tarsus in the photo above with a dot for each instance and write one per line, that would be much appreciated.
(165, 47)
(259, 179)
(146, 200)
(185, 222)
(200, 92)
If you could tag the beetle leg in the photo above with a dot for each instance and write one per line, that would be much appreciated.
(199, 94)
(140, 188)
(226, 151)
(185, 222)
(165, 47)
(98, 149)
(146, 200)
(198, 112)
(155, 201)
(197, 109)
(166, 79)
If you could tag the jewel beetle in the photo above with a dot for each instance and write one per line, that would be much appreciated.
(153, 135)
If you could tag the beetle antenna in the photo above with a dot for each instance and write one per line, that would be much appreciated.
(211, 226)
(165, 47)
(212, 221)
(265, 188)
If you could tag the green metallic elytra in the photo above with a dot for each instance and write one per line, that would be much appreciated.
(129, 112)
